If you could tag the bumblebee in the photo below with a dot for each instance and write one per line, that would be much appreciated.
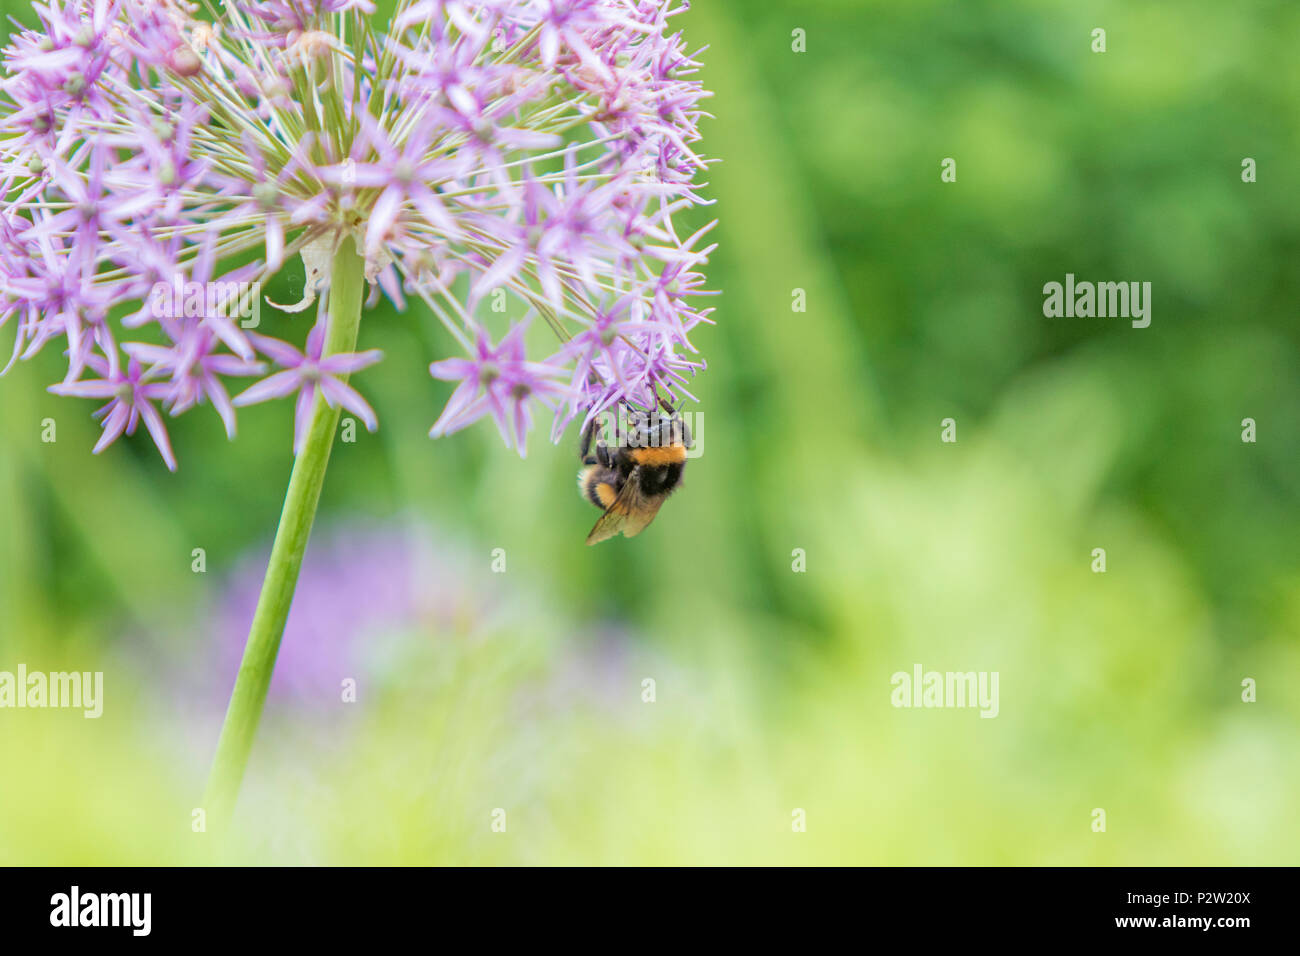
(631, 480)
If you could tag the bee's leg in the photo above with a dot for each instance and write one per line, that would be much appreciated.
(603, 455)
(684, 433)
(584, 449)
(613, 423)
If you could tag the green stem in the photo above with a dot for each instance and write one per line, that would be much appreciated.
(347, 282)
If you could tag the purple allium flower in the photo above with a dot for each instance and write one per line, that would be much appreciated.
(304, 373)
(501, 160)
(130, 397)
(498, 380)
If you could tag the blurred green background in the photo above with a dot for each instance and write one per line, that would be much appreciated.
(523, 691)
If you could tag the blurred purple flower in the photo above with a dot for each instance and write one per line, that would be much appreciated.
(360, 590)
(367, 595)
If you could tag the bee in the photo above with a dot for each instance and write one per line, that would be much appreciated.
(631, 480)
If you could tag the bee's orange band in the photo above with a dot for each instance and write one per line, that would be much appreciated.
(666, 455)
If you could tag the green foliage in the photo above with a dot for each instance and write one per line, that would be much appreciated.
(1119, 690)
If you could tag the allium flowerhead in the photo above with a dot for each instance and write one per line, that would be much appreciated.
(512, 163)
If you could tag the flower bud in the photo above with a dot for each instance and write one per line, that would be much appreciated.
(184, 62)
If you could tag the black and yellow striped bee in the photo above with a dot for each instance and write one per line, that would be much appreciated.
(632, 479)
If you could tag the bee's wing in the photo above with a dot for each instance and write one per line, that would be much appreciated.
(630, 512)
